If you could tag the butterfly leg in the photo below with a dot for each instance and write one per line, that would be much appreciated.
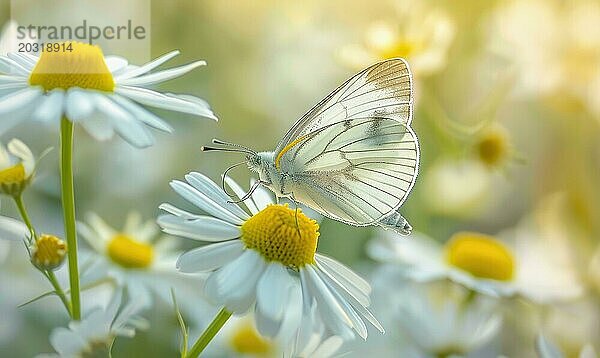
(296, 215)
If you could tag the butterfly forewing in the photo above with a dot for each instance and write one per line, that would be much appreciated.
(381, 90)
(357, 170)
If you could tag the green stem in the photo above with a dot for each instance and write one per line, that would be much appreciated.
(210, 333)
(68, 204)
(25, 216)
(59, 291)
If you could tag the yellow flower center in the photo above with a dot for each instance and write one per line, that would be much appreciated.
(246, 340)
(48, 252)
(13, 175)
(281, 234)
(82, 67)
(480, 255)
(493, 147)
(127, 252)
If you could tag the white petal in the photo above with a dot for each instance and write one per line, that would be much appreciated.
(292, 315)
(261, 196)
(98, 126)
(343, 273)
(345, 285)
(208, 113)
(272, 295)
(51, 107)
(207, 186)
(328, 347)
(147, 67)
(546, 349)
(161, 76)
(237, 189)
(115, 63)
(104, 231)
(8, 65)
(203, 228)
(155, 99)
(11, 229)
(142, 114)
(210, 257)
(204, 202)
(234, 285)
(24, 61)
(67, 343)
(19, 99)
(178, 212)
(124, 123)
(21, 151)
(357, 322)
(331, 312)
(79, 104)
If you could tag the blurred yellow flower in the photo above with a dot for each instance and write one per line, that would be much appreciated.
(418, 33)
(493, 147)
(48, 252)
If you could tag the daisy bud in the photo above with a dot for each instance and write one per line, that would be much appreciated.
(48, 252)
(17, 164)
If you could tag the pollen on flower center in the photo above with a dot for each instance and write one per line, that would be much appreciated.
(127, 252)
(83, 66)
(281, 234)
(480, 255)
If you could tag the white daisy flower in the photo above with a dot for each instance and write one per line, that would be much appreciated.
(135, 257)
(434, 320)
(420, 34)
(483, 264)
(266, 259)
(547, 349)
(94, 335)
(17, 165)
(104, 94)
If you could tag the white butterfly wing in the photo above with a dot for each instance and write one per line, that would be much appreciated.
(381, 90)
(357, 171)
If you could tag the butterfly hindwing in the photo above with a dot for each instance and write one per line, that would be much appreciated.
(357, 171)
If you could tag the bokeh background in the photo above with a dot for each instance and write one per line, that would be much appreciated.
(507, 113)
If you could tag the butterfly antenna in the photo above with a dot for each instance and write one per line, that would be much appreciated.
(248, 194)
(225, 176)
(229, 144)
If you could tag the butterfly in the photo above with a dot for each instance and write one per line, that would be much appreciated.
(353, 157)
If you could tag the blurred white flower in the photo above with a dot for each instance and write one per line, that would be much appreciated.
(547, 349)
(556, 55)
(434, 320)
(135, 257)
(419, 33)
(485, 264)
(267, 260)
(102, 93)
(457, 188)
(94, 335)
